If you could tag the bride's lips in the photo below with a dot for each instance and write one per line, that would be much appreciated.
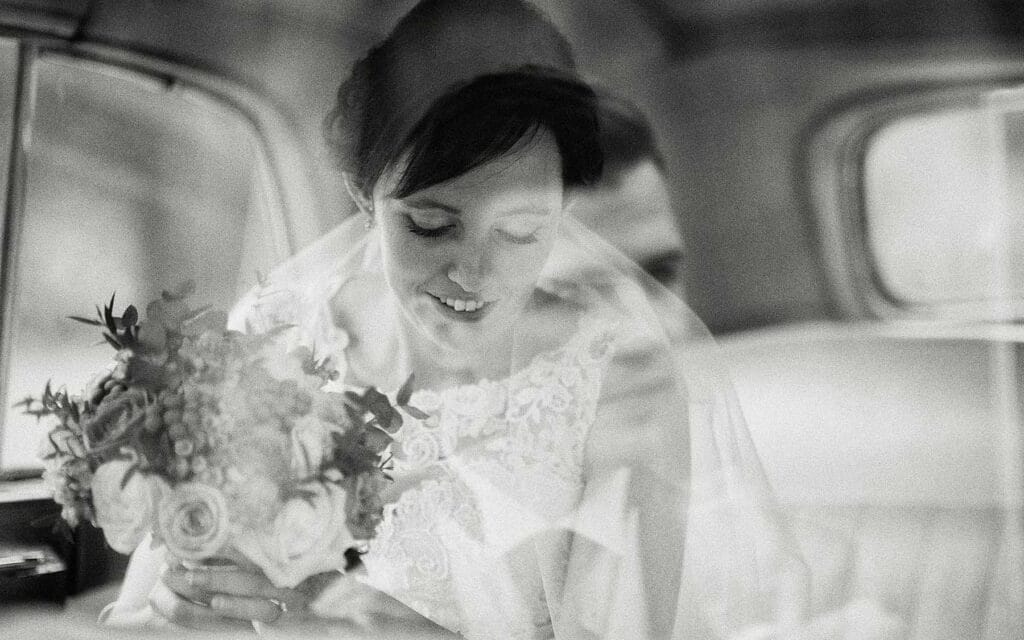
(462, 316)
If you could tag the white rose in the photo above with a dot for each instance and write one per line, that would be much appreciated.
(420, 447)
(125, 514)
(308, 536)
(193, 521)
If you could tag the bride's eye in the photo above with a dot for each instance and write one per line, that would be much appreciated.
(520, 235)
(427, 231)
(519, 239)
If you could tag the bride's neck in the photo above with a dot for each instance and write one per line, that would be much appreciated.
(437, 367)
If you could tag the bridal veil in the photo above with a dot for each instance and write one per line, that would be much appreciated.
(674, 532)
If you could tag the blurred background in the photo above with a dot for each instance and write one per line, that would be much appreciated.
(844, 177)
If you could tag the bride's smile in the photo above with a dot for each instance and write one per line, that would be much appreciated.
(465, 310)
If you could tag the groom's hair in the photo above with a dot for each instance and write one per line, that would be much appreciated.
(456, 84)
(627, 137)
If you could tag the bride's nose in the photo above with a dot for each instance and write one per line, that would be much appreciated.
(470, 271)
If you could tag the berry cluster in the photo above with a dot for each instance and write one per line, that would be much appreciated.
(271, 402)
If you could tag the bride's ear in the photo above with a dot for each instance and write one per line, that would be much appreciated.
(569, 201)
(364, 203)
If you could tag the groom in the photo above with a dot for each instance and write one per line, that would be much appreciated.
(630, 206)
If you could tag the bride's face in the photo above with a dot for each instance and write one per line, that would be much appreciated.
(462, 256)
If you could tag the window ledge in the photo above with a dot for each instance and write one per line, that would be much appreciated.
(23, 490)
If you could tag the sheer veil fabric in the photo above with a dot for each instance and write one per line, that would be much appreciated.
(604, 487)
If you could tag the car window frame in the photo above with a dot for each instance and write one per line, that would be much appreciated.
(831, 178)
(293, 205)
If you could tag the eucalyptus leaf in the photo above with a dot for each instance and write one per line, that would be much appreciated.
(405, 392)
(112, 341)
(394, 423)
(130, 317)
(108, 315)
(414, 412)
(88, 321)
(376, 440)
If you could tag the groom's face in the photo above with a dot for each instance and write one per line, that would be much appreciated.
(463, 256)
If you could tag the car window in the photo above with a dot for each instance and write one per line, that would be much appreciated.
(133, 185)
(943, 206)
(8, 92)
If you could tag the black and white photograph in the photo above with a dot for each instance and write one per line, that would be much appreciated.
(512, 319)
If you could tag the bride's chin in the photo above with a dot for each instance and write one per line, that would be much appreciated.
(463, 339)
(460, 340)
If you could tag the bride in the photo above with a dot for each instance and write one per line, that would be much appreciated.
(583, 470)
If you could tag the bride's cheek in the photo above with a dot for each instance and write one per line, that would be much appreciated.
(522, 266)
(407, 262)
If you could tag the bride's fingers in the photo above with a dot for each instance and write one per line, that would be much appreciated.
(180, 611)
(315, 584)
(235, 582)
(245, 608)
(199, 585)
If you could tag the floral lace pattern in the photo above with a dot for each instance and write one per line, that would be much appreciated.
(513, 446)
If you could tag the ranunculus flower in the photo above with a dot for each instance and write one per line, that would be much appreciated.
(308, 536)
(125, 514)
(193, 521)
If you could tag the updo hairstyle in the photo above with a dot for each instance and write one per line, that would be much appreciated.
(456, 84)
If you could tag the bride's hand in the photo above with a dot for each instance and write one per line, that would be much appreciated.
(229, 598)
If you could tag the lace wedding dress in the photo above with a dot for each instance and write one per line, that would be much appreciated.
(557, 501)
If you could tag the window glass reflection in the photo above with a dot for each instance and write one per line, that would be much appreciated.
(132, 186)
(939, 194)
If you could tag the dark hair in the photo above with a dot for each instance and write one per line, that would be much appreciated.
(492, 115)
(465, 123)
(627, 138)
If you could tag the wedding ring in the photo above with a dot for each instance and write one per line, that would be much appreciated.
(281, 605)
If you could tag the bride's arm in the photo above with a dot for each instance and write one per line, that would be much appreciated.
(132, 608)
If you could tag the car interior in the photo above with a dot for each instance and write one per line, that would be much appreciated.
(844, 174)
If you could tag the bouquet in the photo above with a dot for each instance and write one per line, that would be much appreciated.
(219, 443)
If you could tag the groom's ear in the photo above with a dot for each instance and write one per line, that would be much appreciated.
(362, 201)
